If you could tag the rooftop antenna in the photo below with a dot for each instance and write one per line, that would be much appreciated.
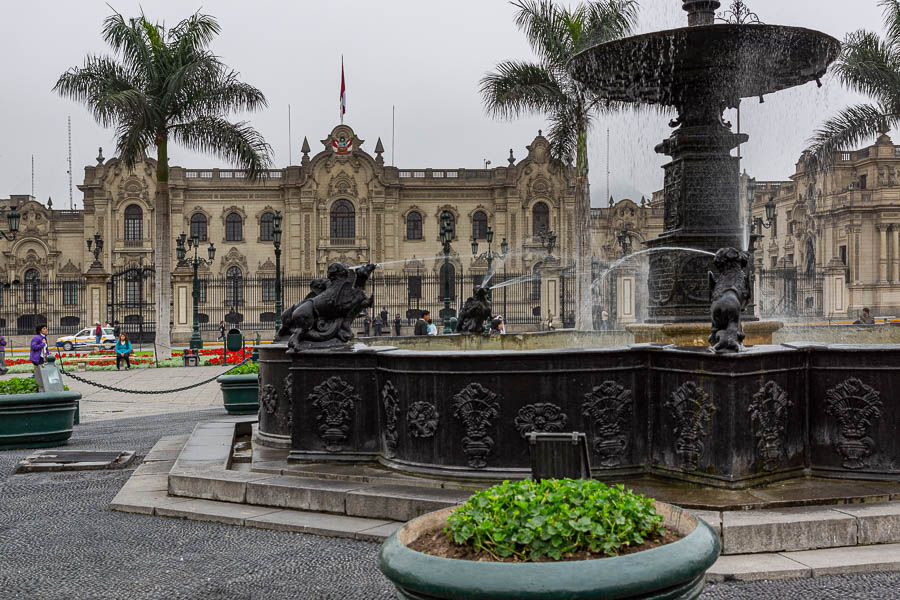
(32, 176)
(290, 151)
(393, 122)
(607, 163)
(71, 203)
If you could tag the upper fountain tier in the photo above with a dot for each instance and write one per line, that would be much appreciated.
(722, 62)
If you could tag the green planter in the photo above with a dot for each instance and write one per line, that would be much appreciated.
(669, 572)
(37, 420)
(240, 393)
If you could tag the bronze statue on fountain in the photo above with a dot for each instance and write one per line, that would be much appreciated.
(328, 310)
(729, 294)
(475, 312)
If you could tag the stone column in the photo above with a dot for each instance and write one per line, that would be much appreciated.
(626, 287)
(550, 288)
(882, 254)
(183, 315)
(895, 228)
(96, 308)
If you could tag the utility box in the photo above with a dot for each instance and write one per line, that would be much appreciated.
(48, 377)
(190, 358)
(559, 455)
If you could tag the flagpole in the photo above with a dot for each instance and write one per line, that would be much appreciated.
(393, 122)
(341, 108)
(290, 150)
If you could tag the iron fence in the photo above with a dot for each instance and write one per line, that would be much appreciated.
(790, 293)
(59, 304)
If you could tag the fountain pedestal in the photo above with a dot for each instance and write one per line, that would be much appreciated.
(757, 333)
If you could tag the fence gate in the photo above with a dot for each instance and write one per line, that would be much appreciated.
(130, 300)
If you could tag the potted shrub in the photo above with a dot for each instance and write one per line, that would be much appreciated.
(240, 389)
(556, 538)
(33, 419)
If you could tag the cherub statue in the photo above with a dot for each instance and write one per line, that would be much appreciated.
(475, 311)
(327, 314)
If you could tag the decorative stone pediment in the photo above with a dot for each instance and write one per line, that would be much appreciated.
(342, 141)
(342, 184)
(234, 258)
(267, 266)
(69, 269)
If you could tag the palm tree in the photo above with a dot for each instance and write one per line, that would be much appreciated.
(545, 87)
(166, 85)
(869, 65)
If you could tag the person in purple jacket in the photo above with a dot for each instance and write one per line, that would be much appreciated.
(38, 346)
(3, 368)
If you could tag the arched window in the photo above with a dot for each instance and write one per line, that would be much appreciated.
(198, 226)
(233, 228)
(540, 217)
(479, 225)
(414, 226)
(343, 220)
(266, 225)
(134, 223)
(32, 285)
(448, 278)
(234, 287)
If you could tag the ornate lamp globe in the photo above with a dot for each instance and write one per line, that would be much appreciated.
(13, 218)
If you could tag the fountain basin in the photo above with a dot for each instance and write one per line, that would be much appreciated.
(729, 61)
(696, 334)
(732, 420)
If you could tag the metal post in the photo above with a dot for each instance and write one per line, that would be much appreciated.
(447, 329)
(196, 341)
(278, 301)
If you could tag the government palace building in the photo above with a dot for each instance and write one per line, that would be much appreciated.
(835, 239)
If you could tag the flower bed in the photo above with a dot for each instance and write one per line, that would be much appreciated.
(140, 360)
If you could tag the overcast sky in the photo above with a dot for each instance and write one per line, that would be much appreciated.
(423, 57)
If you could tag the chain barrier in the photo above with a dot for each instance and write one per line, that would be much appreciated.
(150, 392)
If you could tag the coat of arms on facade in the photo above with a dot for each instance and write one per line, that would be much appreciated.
(342, 145)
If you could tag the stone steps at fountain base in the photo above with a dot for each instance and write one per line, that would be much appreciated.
(192, 478)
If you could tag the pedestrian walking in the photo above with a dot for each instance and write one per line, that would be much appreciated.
(397, 323)
(117, 329)
(123, 351)
(421, 327)
(367, 326)
(385, 317)
(98, 333)
(3, 368)
(432, 328)
(39, 346)
(221, 330)
(378, 324)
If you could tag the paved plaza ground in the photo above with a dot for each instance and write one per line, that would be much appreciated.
(59, 540)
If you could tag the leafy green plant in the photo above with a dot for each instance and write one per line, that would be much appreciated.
(553, 517)
(248, 368)
(19, 385)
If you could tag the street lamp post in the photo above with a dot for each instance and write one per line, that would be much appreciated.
(624, 239)
(548, 240)
(196, 261)
(446, 237)
(12, 219)
(276, 241)
(97, 243)
(490, 255)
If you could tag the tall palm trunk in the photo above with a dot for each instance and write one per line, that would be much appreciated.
(162, 254)
(584, 303)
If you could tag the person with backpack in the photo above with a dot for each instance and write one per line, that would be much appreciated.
(38, 346)
(397, 323)
(421, 327)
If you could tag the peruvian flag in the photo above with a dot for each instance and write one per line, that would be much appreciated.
(343, 92)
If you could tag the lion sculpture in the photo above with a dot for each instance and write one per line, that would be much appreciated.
(729, 294)
(475, 311)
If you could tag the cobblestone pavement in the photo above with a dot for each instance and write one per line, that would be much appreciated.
(98, 403)
(60, 541)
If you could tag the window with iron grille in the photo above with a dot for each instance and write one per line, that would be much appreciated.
(414, 286)
(234, 287)
(133, 288)
(134, 223)
(198, 226)
(70, 293)
(540, 217)
(343, 220)
(201, 287)
(536, 284)
(479, 225)
(32, 285)
(414, 226)
(268, 289)
(233, 228)
(266, 225)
